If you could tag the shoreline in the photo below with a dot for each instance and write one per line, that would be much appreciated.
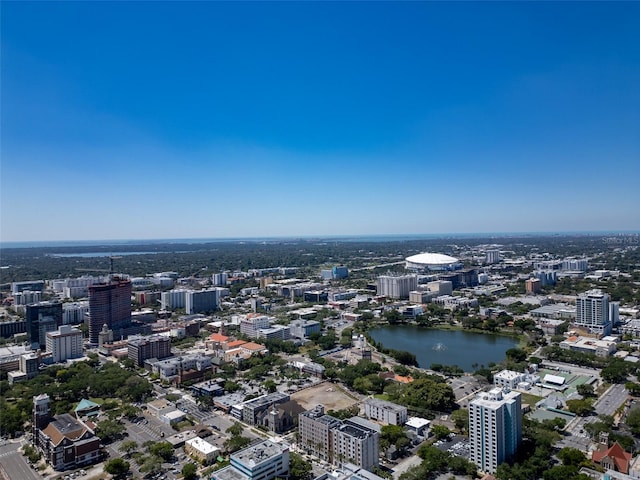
(521, 339)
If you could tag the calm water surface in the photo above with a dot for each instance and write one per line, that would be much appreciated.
(447, 347)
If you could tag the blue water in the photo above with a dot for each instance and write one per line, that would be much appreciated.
(343, 238)
(102, 254)
(446, 347)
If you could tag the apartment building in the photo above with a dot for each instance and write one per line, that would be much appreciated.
(495, 427)
(337, 441)
(396, 286)
(140, 349)
(65, 343)
(388, 413)
(593, 311)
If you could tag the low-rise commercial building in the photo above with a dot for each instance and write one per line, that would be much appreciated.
(183, 368)
(304, 328)
(201, 450)
(508, 379)
(601, 348)
(417, 425)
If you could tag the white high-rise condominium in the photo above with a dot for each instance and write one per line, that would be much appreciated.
(493, 256)
(396, 286)
(593, 311)
(495, 427)
(64, 343)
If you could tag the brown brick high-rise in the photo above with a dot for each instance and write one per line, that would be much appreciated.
(110, 304)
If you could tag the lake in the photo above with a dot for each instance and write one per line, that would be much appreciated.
(447, 347)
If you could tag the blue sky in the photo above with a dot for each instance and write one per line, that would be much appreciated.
(181, 120)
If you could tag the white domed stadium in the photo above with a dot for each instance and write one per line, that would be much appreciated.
(431, 262)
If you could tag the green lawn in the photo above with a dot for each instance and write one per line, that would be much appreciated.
(381, 396)
(530, 399)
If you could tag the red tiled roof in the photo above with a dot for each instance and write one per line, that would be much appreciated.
(217, 337)
(253, 346)
(620, 458)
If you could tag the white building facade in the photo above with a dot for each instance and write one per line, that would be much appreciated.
(508, 379)
(263, 461)
(65, 343)
(74, 313)
(396, 286)
(495, 428)
(173, 299)
(386, 412)
(252, 324)
(593, 311)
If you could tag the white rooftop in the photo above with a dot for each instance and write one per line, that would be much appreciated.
(554, 379)
(432, 259)
(174, 414)
(202, 445)
(417, 422)
(508, 374)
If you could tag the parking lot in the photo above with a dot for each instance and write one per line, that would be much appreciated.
(464, 388)
(455, 444)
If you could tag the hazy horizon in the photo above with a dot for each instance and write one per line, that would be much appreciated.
(343, 237)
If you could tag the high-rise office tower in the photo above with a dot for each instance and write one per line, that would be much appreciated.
(109, 304)
(41, 318)
(495, 428)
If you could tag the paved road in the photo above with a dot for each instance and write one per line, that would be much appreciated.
(607, 404)
(576, 435)
(406, 464)
(13, 465)
(612, 399)
(380, 265)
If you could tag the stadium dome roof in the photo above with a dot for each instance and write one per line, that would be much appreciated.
(431, 259)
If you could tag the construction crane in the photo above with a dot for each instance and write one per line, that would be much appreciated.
(109, 271)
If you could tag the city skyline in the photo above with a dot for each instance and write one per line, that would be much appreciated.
(222, 120)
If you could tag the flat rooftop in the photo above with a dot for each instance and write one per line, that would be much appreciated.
(229, 473)
(202, 445)
(376, 402)
(417, 422)
(355, 430)
(268, 399)
(65, 424)
(508, 374)
(258, 453)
